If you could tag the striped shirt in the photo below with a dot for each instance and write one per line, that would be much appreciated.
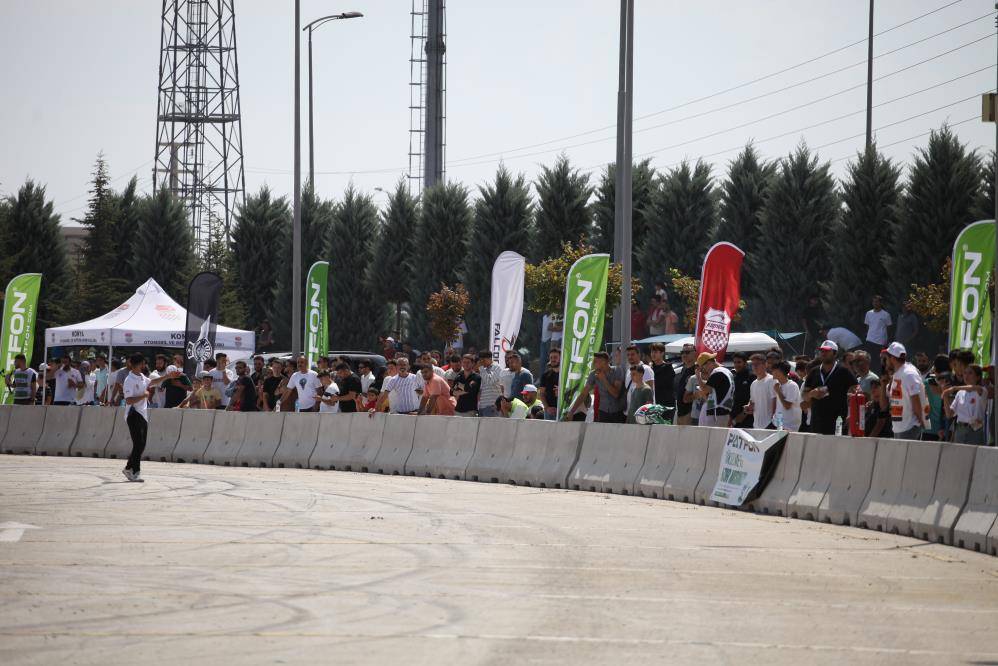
(492, 386)
(402, 392)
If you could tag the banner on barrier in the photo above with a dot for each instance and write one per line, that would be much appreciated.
(506, 309)
(720, 294)
(585, 309)
(747, 465)
(970, 306)
(19, 309)
(316, 314)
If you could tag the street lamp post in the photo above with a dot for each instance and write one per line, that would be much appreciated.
(622, 249)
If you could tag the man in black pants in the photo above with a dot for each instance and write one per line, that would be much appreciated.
(136, 391)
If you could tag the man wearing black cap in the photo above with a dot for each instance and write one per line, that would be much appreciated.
(826, 389)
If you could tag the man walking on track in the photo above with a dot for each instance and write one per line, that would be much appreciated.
(136, 390)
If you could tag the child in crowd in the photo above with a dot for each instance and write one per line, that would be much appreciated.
(967, 405)
(640, 395)
(372, 400)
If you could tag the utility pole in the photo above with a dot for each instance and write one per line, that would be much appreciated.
(296, 278)
(623, 204)
(869, 83)
(433, 163)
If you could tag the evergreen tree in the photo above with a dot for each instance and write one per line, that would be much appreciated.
(356, 316)
(164, 246)
(791, 258)
(219, 258)
(389, 273)
(870, 195)
(439, 250)
(126, 226)
(100, 288)
(563, 213)
(643, 186)
(943, 187)
(743, 196)
(33, 243)
(258, 246)
(503, 221)
(986, 197)
(680, 224)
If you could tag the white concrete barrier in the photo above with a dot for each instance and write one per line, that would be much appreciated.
(24, 429)
(396, 444)
(96, 426)
(366, 432)
(227, 436)
(545, 453)
(332, 441)
(949, 495)
(428, 439)
(663, 445)
(5, 411)
(59, 430)
(691, 460)
(917, 483)
(298, 440)
(773, 498)
(459, 446)
(852, 472)
(164, 431)
(715, 450)
(493, 450)
(592, 471)
(974, 529)
(263, 436)
(195, 435)
(815, 478)
(885, 484)
(119, 446)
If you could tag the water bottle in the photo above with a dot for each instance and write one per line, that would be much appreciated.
(838, 426)
(778, 421)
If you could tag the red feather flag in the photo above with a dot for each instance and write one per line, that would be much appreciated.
(720, 292)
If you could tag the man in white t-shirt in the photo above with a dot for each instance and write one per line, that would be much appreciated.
(405, 390)
(158, 399)
(762, 400)
(366, 376)
(221, 377)
(67, 380)
(788, 397)
(86, 397)
(909, 403)
(136, 391)
(308, 386)
(878, 321)
(327, 405)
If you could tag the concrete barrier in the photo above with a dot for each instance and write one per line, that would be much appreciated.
(545, 453)
(815, 478)
(428, 438)
(459, 446)
(885, 484)
(366, 432)
(263, 436)
(852, 472)
(227, 436)
(660, 458)
(611, 458)
(974, 529)
(691, 460)
(715, 450)
(24, 429)
(119, 445)
(60, 428)
(96, 426)
(773, 498)
(949, 495)
(493, 450)
(5, 411)
(298, 440)
(332, 441)
(396, 444)
(164, 431)
(917, 483)
(195, 435)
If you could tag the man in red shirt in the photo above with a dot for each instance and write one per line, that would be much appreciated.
(436, 397)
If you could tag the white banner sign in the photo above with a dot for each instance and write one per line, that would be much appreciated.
(507, 304)
(742, 463)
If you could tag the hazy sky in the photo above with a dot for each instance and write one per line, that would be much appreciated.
(80, 77)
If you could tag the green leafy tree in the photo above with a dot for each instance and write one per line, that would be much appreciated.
(258, 245)
(680, 224)
(356, 317)
(791, 259)
(164, 246)
(389, 273)
(503, 221)
(33, 243)
(544, 281)
(439, 250)
(870, 194)
(446, 309)
(944, 184)
(743, 196)
(643, 186)
(563, 214)
(219, 258)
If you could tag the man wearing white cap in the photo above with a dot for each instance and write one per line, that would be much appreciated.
(826, 389)
(909, 404)
(529, 397)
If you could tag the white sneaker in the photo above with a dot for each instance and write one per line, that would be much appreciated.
(128, 474)
(136, 478)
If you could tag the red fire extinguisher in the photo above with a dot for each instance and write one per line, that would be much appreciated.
(857, 413)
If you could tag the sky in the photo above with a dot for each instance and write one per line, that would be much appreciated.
(526, 82)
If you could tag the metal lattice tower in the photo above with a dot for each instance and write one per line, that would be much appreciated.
(199, 137)
(427, 94)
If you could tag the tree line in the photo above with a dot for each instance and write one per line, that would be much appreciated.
(880, 229)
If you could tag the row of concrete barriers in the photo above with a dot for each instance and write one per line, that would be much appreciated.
(940, 492)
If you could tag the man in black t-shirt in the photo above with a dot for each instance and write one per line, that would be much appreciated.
(175, 390)
(826, 389)
(244, 398)
(271, 382)
(349, 385)
(743, 391)
(665, 379)
(683, 408)
(466, 386)
(549, 385)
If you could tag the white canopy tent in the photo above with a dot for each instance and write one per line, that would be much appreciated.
(150, 318)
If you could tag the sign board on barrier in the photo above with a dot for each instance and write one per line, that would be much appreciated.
(747, 465)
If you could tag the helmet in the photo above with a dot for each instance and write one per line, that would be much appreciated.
(650, 414)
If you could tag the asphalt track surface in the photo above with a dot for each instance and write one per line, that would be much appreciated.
(219, 565)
